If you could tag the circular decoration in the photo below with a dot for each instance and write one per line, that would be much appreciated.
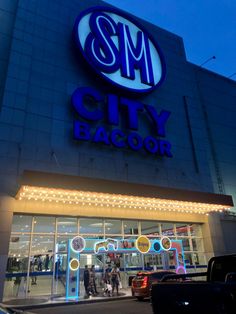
(156, 246)
(74, 264)
(77, 244)
(180, 270)
(119, 49)
(166, 243)
(143, 244)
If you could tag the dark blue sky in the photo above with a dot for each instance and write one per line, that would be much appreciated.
(207, 27)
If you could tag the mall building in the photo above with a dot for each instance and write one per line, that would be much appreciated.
(112, 141)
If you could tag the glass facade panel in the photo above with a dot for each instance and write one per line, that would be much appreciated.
(42, 244)
(167, 229)
(181, 229)
(188, 259)
(91, 226)
(19, 245)
(62, 243)
(195, 230)
(186, 244)
(44, 224)
(67, 225)
(130, 227)
(21, 223)
(197, 244)
(112, 226)
(150, 228)
(48, 244)
(199, 259)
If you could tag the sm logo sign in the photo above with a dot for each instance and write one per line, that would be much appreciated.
(119, 49)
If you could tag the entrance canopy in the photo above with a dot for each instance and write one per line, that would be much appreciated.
(83, 191)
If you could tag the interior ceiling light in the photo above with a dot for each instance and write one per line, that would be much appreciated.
(95, 199)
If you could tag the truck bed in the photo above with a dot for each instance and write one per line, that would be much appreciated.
(194, 297)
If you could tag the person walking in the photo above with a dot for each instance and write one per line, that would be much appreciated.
(86, 280)
(92, 278)
(115, 279)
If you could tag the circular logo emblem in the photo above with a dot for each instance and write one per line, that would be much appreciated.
(157, 246)
(166, 243)
(143, 244)
(119, 49)
(77, 244)
(74, 264)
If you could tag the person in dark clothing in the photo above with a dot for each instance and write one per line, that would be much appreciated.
(115, 279)
(47, 262)
(92, 278)
(86, 280)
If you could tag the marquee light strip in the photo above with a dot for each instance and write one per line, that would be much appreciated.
(81, 198)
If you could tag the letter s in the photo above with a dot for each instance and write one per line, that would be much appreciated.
(99, 45)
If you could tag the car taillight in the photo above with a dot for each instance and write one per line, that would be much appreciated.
(145, 282)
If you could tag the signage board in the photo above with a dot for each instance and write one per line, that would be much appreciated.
(119, 49)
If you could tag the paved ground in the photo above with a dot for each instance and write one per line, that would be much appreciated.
(130, 306)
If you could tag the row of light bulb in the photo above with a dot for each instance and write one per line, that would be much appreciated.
(120, 201)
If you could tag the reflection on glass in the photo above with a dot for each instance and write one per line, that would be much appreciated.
(181, 229)
(62, 243)
(199, 259)
(186, 244)
(44, 224)
(17, 264)
(90, 226)
(19, 245)
(21, 223)
(195, 230)
(197, 244)
(42, 244)
(112, 226)
(133, 260)
(67, 225)
(167, 229)
(130, 227)
(150, 228)
(188, 259)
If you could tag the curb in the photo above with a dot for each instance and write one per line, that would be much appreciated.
(45, 305)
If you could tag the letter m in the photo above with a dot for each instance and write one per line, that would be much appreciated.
(135, 57)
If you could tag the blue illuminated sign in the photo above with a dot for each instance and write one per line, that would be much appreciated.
(123, 53)
(119, 49)
(116, 137)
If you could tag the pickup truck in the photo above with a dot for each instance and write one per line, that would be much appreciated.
(214, 295)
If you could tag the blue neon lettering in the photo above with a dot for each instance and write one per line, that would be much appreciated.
(81, 131)
(164, 148)
(78, 103)
(116, 136)
(132, 57)
(100, 136)
(132, 108)
(99, 45)
(135, 141)
(150, 144)
(112, 109)
(159, 120)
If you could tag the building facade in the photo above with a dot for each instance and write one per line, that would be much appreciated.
(107, 134)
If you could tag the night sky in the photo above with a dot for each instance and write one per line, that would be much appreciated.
(208, 27)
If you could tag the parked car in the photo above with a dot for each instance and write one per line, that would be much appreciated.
(142, 282)
(215, 294)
